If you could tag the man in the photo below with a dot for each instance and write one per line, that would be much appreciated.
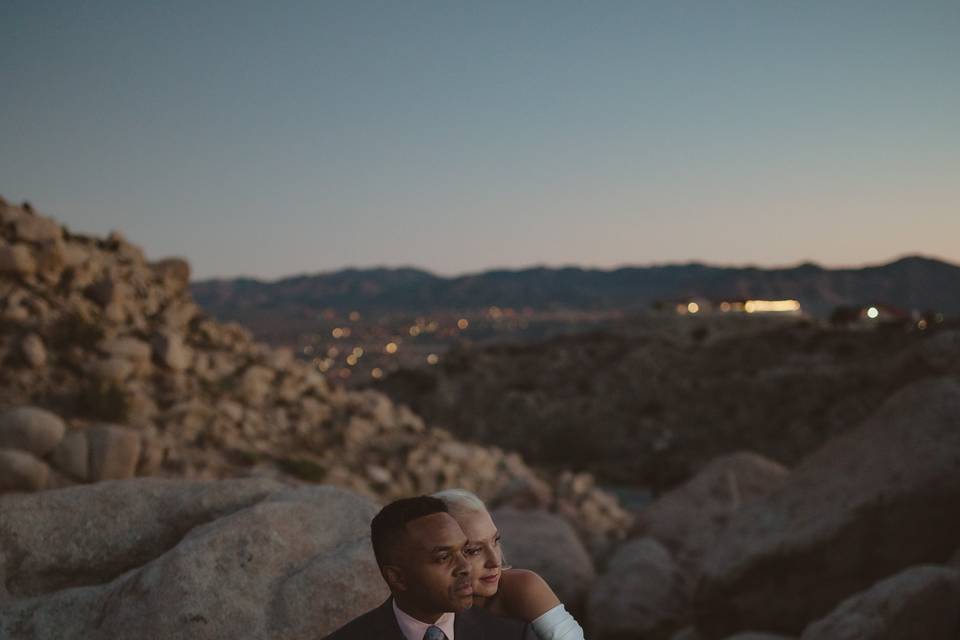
(419, 549)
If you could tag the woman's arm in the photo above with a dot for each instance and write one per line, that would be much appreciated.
(524, 595)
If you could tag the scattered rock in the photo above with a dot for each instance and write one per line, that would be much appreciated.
(33, 351)
(170, 351)
(72, 455)
(114, 452)
(30, 429)
(16, 259)
(36, 229)
(20, 471)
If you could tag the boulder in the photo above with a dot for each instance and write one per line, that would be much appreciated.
(33, 351)
(16, 259)
(72, 455)
(688, 518)
(30, 429)
(920, 602)
(871, 502)
(174, 272)
(37, 229)
(547, 544)
(296, 564)
(129, 348)
(170, 351)
(643, 593)
(114, 452)
(20, 471)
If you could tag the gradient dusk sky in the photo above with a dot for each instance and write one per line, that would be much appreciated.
(273, 138)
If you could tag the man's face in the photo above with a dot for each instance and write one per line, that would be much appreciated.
(435, 576)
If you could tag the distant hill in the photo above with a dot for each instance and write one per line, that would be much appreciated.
(913, 282)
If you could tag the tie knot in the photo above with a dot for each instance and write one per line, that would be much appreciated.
(434, 633)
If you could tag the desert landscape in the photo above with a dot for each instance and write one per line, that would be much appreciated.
(165, 475)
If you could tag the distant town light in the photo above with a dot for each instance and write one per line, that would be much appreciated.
(873, 313)
(376, 373)
(352, 359)
(771, 306)
(344, 373)
(414, 331)
(922, 324)
(390, 347)
(433, 358)
(333, 352)
(337, 333)
(307, 350)
(693, 307)
(354, 316)
(724, 306)
(494, 312)
(358, 351)
(463, 323)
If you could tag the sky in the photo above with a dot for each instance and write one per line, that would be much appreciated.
(275, 138)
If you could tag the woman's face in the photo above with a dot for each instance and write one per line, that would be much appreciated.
(483, 551)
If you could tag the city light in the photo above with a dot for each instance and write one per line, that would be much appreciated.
(463, 323)
(390, 347)
(771, 306)
(414, 331)
(693, 307)
(433, 358)
(376, 373)
(873, 313)
(354, 316)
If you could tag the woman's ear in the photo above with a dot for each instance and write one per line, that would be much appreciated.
(394, 577)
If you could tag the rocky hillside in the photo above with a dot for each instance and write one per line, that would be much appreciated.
(110, 370)
(652, 407)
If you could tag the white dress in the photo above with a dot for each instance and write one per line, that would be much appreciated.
(557, 624)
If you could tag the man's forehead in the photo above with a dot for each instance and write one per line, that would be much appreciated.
(435, 530)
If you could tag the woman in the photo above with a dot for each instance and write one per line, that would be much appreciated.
(502, 590)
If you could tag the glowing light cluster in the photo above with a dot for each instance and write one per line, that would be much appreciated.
(771, 306)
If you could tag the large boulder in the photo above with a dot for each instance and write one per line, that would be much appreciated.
(547, 544)
(920, 602)
(642, 594)
(876, 500)
(30, 429)
(172, 559)
(687, 519)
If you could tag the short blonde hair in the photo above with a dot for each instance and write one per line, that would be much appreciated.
(463, 501)
(460, 500)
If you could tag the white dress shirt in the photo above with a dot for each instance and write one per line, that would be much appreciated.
(413, 629)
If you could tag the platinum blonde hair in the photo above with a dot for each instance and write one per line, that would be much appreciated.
(460, 500)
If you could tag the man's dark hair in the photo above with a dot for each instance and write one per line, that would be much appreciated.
(390, 525)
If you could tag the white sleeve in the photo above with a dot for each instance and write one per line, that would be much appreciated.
(557, 624)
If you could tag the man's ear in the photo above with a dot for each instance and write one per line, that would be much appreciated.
(395, 578)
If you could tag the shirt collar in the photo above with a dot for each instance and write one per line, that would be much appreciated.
(413, 629)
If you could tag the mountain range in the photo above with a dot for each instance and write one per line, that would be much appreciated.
(912, 283)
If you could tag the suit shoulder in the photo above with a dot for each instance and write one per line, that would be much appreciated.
(359, 628)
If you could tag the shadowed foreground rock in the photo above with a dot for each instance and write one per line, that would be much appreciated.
(173, 559)
(868, 504)
(921, 602)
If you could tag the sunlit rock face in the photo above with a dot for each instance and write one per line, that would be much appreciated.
(165, 559)
(868, 504)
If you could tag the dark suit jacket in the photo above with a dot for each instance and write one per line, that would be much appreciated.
(472, 624)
